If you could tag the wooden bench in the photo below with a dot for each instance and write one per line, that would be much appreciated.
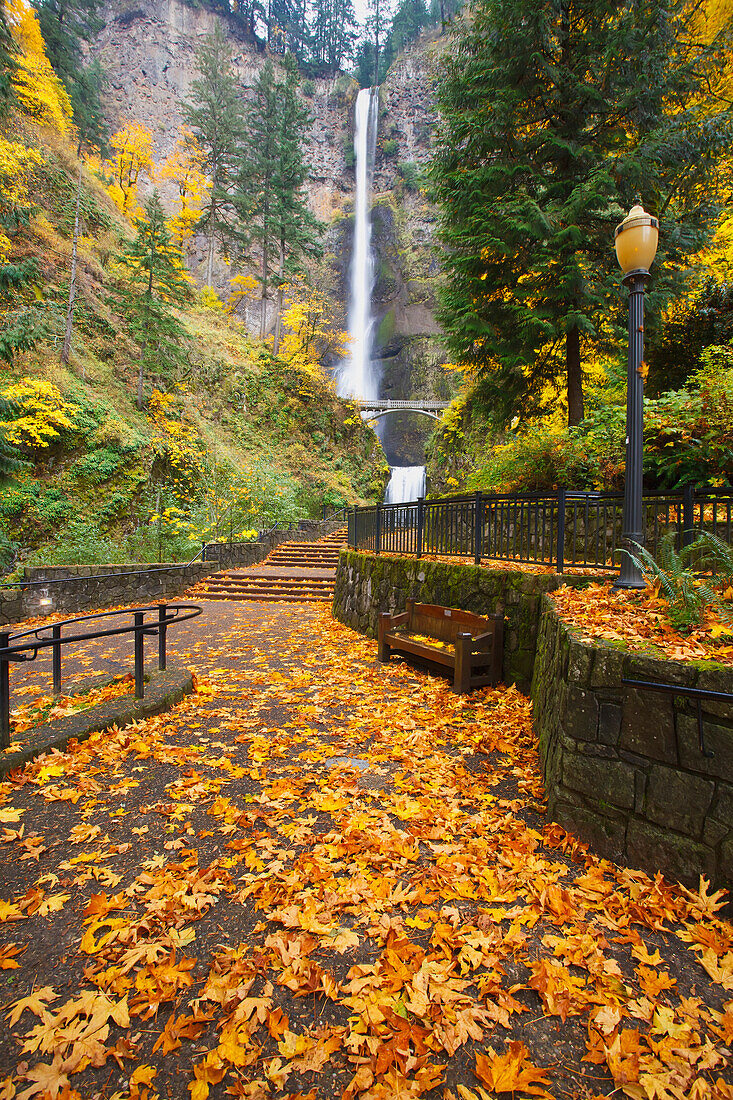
(478, 643)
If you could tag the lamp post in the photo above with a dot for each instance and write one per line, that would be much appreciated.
(636, 247)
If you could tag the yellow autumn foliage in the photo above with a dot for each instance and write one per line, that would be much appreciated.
(183, 169)
(309, 333)
(39, 91)
(41, 413)
(132, 158)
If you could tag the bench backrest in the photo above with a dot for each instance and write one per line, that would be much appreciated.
(445, 623)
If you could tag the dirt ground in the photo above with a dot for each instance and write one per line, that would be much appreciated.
(320, 876)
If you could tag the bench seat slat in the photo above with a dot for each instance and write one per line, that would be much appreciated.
(399, 642)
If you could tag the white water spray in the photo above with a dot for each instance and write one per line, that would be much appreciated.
(357, 376)
(406, 483)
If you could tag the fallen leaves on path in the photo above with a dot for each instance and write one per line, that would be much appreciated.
(320, 876)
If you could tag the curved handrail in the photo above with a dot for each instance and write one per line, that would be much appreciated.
(43, 643)
(28, 651)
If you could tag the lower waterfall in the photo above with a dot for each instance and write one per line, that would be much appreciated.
(406, 483)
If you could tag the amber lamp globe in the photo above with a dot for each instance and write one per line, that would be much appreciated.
(636, 240)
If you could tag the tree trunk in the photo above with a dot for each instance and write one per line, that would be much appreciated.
(66, 349)
(575, 376)
(210, 262)
(263, 303)
(278, 319)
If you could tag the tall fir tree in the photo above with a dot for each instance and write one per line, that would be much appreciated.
(556, 115)
(280, 228)
(66, 26)
(156, 282)
(216, 117)
(297, 228)
(7, 62)
(256, 198)
(333, 32)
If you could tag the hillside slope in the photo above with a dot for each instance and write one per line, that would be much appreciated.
(232, 439)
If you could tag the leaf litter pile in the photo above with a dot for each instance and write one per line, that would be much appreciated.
(320, 876)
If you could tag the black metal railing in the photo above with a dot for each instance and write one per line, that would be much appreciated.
(562, 529)
(14, 647)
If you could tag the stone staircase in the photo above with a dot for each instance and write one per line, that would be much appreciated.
(294, 572)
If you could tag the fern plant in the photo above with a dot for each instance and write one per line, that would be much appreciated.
(679, 574)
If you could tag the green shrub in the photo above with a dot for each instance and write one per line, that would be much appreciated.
(411, 175)
(98, 466)
(390, 147)
(349, 154)
(308, 88)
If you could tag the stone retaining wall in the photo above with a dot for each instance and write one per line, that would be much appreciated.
(90, 586)
(622, 766)
(367, 584)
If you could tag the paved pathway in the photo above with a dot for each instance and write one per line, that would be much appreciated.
(322, 877)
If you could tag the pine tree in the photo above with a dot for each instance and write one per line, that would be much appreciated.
(216, 117)
(256, 197)
(296, 227)
(272, 204)
(332, 34)
(7, 63)
(66, 25)
(556, 116)
(156, 282)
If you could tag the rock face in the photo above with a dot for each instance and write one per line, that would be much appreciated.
(148, 50)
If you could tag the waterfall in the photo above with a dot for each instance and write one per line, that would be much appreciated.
(357, 376)
(406, 483)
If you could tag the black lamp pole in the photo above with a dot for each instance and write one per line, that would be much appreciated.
(630, 576)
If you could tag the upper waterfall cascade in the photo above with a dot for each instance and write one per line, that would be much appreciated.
(357, 376)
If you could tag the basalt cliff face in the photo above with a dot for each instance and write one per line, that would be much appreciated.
(148, 50)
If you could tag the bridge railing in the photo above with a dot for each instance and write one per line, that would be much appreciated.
(560, 530)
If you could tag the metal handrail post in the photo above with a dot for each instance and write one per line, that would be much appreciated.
(56, 658)
(4, 692)
(378, 529)
(162, 612)
(688, 514)
(560, 555)
(478, 528)
(420, 526)
(139, 665)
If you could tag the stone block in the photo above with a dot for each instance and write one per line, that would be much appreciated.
(718, 739)
(713, 832)
(605, 834)
(608, 668)
(722, 807)
(608, 782)
(678, 800)
(609, 723)
(717, 678)
(724, 876)
(580, 714)
(678, 857)
(647, 726)
(580, 663)
(660, 672)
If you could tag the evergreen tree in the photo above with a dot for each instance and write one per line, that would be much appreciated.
(66, 25)
(216, 117)
(280, 228)
(332, 34)
(296, 227)
(86, 101)
(556, 116)
(156, 282)
(7, 63)
(256, 199)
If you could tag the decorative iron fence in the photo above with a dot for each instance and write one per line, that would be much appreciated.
(578, 529)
